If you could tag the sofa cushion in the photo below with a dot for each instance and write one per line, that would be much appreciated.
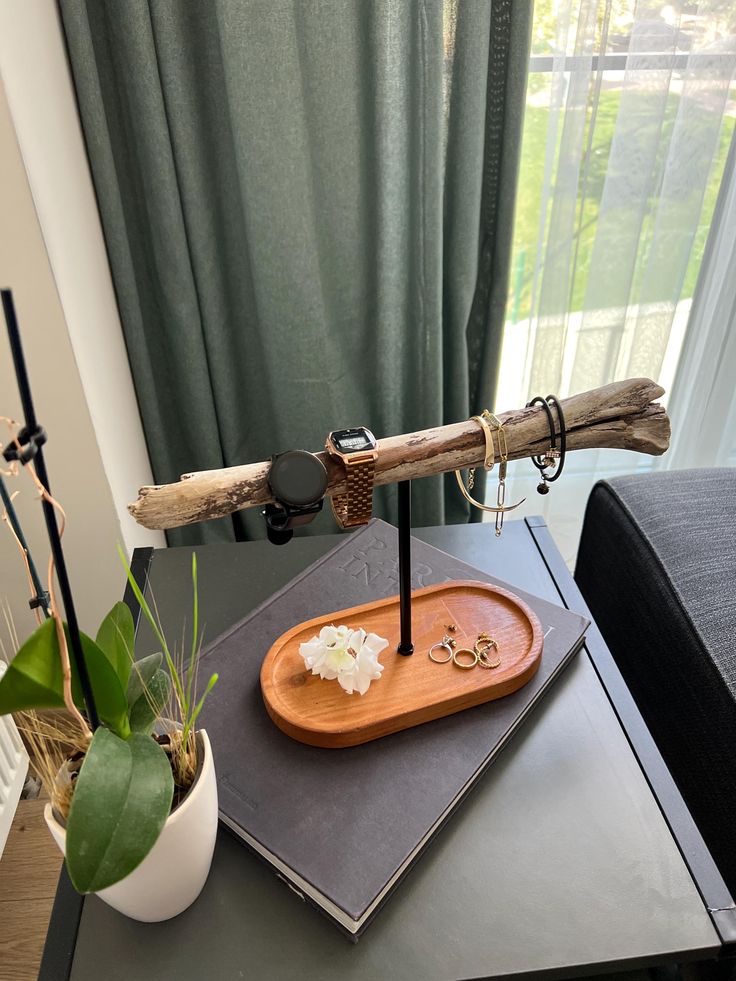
(657, 566)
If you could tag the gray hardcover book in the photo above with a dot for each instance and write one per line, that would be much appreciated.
(343, 826)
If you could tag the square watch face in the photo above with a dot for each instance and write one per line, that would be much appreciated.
(352, 440)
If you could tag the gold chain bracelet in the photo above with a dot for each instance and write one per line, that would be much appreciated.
(487, 420)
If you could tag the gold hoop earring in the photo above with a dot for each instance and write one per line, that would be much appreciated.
(485, 662)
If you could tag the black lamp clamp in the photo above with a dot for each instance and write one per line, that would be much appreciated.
(30, 442)
(23, 449)
(298, 481)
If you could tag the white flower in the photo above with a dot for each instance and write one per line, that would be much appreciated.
(349, 655)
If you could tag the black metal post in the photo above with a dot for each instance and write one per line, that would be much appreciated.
(31, 423)
(406, 646)
(42, 597)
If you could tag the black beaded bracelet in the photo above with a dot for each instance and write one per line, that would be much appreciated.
(554, 458)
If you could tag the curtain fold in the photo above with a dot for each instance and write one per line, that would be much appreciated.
(302, 204)
(703, 395)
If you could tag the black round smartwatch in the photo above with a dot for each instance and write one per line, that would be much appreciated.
(298, 481)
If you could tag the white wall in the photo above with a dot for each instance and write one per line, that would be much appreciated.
(52, 255)
(75, 466)
(35, 72)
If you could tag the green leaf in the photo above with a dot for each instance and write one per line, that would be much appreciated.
(141, 673)
(155, 626)
(190, 722)
(148, 706)
(33, 678)
(210, 685)
(110, 700)
(116, 639)
(121, 800)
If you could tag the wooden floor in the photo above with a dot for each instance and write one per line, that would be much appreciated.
(29, 870)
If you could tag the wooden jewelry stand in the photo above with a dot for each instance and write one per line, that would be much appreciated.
(414, 689)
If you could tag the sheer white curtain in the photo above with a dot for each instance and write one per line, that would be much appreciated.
(630, 114)
(703, 404)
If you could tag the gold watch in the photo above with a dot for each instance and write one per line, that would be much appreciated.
(355, 449)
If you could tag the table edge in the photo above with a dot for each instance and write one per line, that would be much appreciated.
(714, 892)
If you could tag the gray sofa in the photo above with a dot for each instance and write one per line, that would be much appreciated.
(657, 566)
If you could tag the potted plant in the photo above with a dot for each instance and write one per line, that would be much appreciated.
(133, 805)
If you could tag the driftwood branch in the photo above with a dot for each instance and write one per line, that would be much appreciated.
(617, 416)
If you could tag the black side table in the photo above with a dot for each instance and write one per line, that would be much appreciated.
(575, 855)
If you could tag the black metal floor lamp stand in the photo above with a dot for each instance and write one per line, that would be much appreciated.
(406, 646)
(32, 438)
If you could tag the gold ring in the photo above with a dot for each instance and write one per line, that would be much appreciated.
(437, 660)
(465, 650)
(485, 663)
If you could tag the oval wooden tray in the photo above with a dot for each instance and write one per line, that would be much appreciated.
(413, 689)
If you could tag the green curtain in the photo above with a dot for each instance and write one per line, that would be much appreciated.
(307, 208)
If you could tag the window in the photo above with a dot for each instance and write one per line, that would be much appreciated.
(630, 114)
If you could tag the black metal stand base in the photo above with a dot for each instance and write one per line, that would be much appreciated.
(406, 646)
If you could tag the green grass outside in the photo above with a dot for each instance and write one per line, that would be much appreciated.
(529, 202)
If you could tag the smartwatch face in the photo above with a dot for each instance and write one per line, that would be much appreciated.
(353, 440)
(298, 478)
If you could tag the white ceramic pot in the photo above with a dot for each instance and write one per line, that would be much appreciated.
(172, 875)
